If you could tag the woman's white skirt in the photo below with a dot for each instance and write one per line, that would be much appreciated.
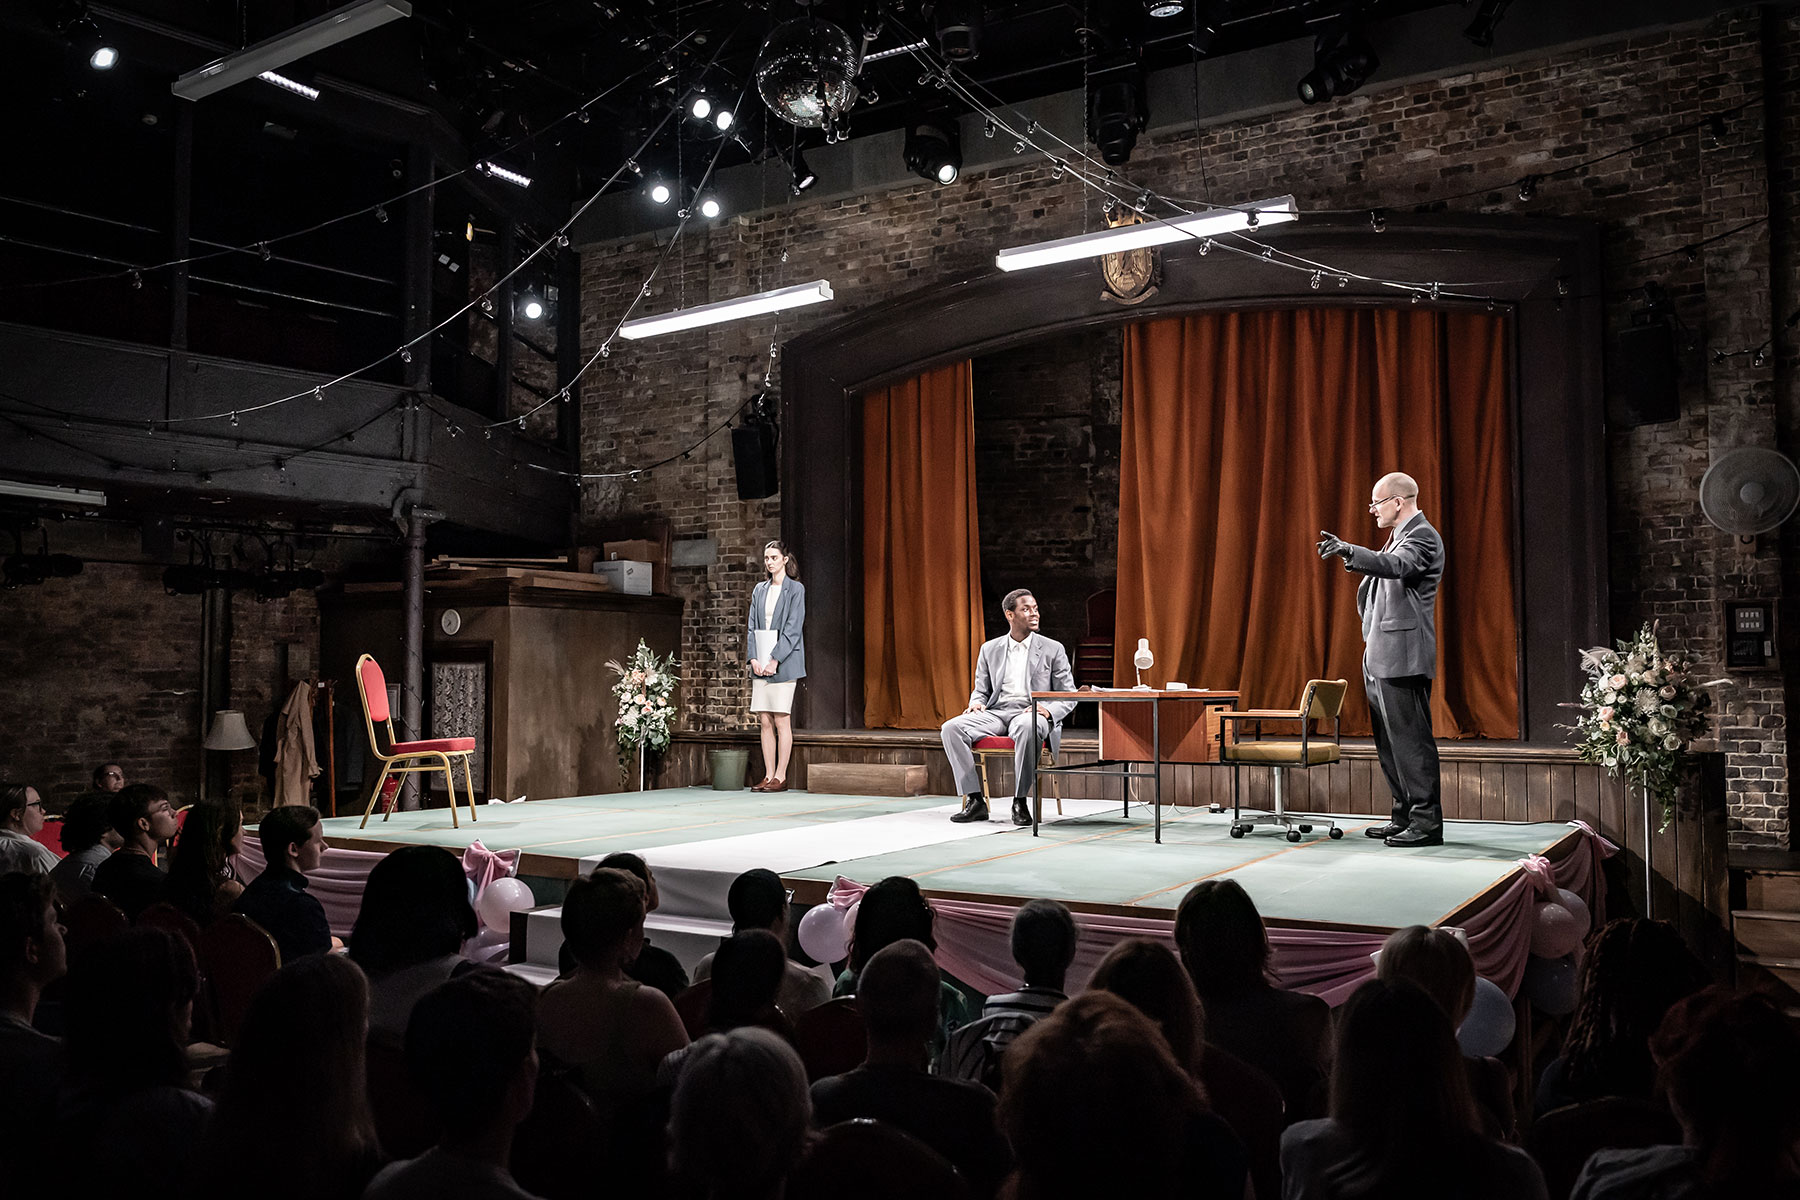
(772, 697)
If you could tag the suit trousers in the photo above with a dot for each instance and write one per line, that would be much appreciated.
(961, 733)
(1400, 709)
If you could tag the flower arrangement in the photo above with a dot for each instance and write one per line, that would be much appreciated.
(1640, 711)
(646, 692)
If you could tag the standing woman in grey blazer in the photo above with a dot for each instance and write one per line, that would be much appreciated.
(777, 654)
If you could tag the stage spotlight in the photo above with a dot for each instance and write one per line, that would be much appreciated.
(1342, 62)
(93, 45)
(660, 193)
(700, 108)
(1117, 110)
(1165, 8)
(934, 149)
(1487, 19)
(530, 307)
(709, 208)
(103, 58)
(959, 29)
(803, 174)
(723, 119)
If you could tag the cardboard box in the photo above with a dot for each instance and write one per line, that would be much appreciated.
(652, 553)
(626, 575)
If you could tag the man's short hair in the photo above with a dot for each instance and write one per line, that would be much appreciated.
(98, 778)
(756, 900)
(1012, 599)
(898, 993)
(1043, 939)
(25, 910)
(466, 1040)
(600, 911)
(131, 804)
(289, 825)
(625, 860)
(86, 822)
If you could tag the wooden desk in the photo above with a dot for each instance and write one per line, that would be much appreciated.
(1135, 726)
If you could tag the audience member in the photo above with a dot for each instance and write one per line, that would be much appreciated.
(739, 1118)
(21, 817)
(1437, 962)
(1150, 978)
(293, 842)
(88, 838)
(1082, 1069)
(1402, 1122)
(203, 881)
(31, 957)
(108, 778)
(1284, 1034)
(746, 979)
(653, 966)
(897, 993)
(128, 1123)
(757, 900)
(1043, 944)
(1634, 973)
(610, 1029)
(1727, 1063)
(895, 910)
(297, 1073)
(409, 933)
(144, 819)
(471, 1050)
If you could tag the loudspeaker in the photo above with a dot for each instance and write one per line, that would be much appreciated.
(1644, 375)
(753, 446)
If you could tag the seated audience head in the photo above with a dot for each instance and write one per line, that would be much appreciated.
(292, 837)
(32, 953)
(757, 900)
(108, 778)
(128, 1006)
(603, 918)
(897, 993)
(1149, 977)
(1434, 960)
(21, 809)
(415, 908)
(739, 1117)
(1043, 942)
(1072, 1073)
(1727, 1062)
(891, 911)
(1222, 940)
(86, 824)
(1397, 1097)
(747, 972)
(624, 860)
(471, 1047)
(1634, 972)
(142, 815)
(210, 838)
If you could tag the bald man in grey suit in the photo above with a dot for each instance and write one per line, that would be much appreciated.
(1397, 600)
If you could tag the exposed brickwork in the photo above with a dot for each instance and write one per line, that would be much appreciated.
(1384, 147)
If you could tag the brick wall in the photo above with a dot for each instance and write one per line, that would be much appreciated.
(1386, 147)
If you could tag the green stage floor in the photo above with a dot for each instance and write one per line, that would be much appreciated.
(1095, 859)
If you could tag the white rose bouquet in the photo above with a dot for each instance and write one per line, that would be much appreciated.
(646, 693)
(1639, 712)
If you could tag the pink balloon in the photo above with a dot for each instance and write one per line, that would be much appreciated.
(821, 933)
(499, 900)
(850, 923)
(1553, 985)
(1554, 930)
(1576, 905)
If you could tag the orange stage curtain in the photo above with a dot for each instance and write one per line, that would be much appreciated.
(1246, 433)
(921, 552)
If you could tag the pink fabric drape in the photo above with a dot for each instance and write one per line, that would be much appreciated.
(973, 939)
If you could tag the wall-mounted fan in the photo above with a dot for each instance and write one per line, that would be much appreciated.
(1750, 490)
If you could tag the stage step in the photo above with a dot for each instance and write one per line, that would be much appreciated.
(866, 779)
(1772, 891)
(1767, 935)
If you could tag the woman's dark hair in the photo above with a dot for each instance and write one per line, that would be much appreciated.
(600, 912)
(1222, 940)
(202, 858)
(415, 908)
(1149, 977)
(891, 911)
(1432, 959)
(85, 823)
(790, 564)
(1404, 1101)
(746, 977)
(26, 900)
(127, 1006)
(12, 800)
(1635, 971)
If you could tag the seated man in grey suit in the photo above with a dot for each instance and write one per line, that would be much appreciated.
(1008, 669)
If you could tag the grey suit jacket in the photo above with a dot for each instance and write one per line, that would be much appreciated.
(1047, 663)
(789, 626)
(1398, 600)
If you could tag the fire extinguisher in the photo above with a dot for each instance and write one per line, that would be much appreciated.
(390, 794)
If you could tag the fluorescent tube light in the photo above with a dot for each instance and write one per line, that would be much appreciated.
(48, 491)
(328, 29)
(289, 85)
(816, 292)
(1150, 233)
(499, 172)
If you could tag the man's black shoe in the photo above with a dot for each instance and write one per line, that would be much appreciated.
(1021, 811)
(1416, 837)
(1386, 829)
(974, 809)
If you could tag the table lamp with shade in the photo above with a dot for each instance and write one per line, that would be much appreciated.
(229, 732)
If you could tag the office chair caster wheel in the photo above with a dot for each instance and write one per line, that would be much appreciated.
(1336, 833)
(1215, 808)
(1306, 829)
(1238, 831)
(1293, 835)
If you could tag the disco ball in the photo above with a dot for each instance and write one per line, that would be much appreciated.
(806, 72)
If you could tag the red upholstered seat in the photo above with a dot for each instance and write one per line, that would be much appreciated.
(994, 743)
(435, 745)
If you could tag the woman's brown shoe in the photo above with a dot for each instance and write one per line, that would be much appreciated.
(760, 787)
(776, 785)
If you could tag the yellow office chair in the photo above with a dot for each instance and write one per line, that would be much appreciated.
(1322, 700)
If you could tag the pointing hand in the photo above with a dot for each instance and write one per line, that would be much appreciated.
(1331, 544)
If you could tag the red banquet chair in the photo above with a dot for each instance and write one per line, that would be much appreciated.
(1004, 748)
(433, 754)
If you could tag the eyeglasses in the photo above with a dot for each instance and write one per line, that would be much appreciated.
(1375, 505)
(34, 804)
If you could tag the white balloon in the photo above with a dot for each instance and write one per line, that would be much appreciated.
(850, 923)
(821, 933)
(1555, 931)
(1489, 1027)
(499, 900)
(1576, 905)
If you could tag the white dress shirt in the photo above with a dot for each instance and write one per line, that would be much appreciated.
(1015, 678)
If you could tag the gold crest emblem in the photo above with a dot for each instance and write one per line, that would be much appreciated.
(1131, 276)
